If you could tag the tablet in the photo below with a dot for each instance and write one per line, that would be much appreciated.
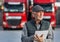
(39, 33)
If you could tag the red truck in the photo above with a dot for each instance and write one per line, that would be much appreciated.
(15, 14)
(49, 10)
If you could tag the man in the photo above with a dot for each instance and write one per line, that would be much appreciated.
(36, 24)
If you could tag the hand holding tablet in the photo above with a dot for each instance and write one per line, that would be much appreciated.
(40, 36)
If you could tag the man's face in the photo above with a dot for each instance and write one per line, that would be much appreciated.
(38, 15)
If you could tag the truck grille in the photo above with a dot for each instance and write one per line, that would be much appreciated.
(47, 20)
(14, 22)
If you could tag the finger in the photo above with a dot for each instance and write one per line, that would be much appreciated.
(40, 39)
(37, 36)
(41, 35)
(34, 36)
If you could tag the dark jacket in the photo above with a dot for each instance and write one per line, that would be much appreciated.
(30, 28)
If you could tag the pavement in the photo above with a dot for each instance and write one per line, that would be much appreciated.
(10, 36)
(15, 35)
(57, 35)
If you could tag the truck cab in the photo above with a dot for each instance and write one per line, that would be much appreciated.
(49, 10)
(14, 15)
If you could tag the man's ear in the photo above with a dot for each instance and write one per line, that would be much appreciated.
(43, 12)
(32, 14)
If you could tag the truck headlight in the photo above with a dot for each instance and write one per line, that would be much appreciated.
(7, 14)
(22, 24)
(53, 22)
(4, 23)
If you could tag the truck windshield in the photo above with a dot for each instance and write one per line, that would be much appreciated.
(47, 7)
(13, 8)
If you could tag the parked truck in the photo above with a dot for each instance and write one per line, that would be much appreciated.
(49, 10)
(15, 14)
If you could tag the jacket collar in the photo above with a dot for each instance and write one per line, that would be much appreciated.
(33, 21)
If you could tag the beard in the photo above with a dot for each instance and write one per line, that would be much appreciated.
(39, 18)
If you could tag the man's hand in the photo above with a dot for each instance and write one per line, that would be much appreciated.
(38, 38)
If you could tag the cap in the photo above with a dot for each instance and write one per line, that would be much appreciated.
(37, 8)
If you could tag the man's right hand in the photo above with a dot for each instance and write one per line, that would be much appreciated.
(38, 38)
